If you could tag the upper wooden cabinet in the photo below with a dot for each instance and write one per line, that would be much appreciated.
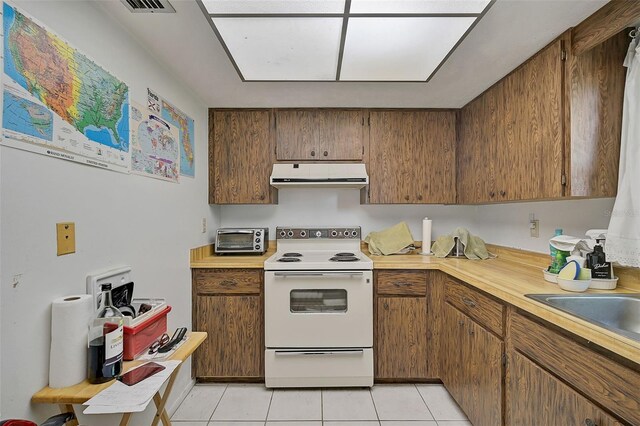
(412, 157)
(319, 134)
(240, 157)
(548, 130)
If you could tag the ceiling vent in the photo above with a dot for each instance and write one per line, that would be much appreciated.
(149, 6)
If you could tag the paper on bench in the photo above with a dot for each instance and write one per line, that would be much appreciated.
(120, 398)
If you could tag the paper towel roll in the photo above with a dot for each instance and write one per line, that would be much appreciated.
(69, 327)
(426, 235)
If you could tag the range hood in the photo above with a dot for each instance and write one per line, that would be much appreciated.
(319, 175)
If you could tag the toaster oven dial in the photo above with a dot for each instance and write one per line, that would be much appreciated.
(258, 233)
(257, 240)
(257, 247)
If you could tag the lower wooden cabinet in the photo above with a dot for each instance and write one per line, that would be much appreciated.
(554, 378)
(227, 304)
(471, 367)
(538, 398)
(400, 346)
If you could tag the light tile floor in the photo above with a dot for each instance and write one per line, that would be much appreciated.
(383, 405)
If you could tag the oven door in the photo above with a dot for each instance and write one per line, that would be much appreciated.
(235, 241)
(318, 309)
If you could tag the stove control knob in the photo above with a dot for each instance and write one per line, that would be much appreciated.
(290, 233)
(354, 233)
(282, 233)
(318, 234)
(303, 233)
(334, 233)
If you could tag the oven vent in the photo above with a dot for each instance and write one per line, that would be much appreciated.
(149, 6)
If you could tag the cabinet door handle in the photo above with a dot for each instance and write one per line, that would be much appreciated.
(492, 194)
(262, 197)
(228, 283)
(385, 305)
(325, 153)
(589, 422)
(469, 302)
(420, 197)
(313, 153)
(503, 193)
(460, 323)
(471, 332)
(406, 197)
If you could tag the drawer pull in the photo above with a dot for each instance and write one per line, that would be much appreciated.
(402, 284)
(589, 422)
(471, 332)
(469, 302)
(228, 283)
(461, 323)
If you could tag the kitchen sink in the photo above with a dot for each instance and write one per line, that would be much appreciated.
(619, 313)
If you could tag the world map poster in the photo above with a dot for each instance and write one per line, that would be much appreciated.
(58, 102)
(155, 146)
(185, 126)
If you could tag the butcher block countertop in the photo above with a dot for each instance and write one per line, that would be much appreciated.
(508, 277)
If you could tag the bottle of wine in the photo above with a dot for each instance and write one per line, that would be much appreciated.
(106, 340)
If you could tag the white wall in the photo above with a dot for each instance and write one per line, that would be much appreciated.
(120, 219)
(503, 224)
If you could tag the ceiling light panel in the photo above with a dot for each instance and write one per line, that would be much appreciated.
(272, 6)
(283, 48)
(399, 49)
(418, 6)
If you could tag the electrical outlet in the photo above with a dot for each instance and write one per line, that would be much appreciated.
(534, 228)
(204, 225)
(66, 237)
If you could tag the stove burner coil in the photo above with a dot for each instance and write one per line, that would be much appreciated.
(344, 259)
(292, 255)
(289, 259)
(344, 255)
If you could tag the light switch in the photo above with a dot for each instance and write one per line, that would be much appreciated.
(66, 237)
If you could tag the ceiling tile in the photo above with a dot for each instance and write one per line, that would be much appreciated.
(274, 6)
(399, 49)
(283, 48)
(418, 6)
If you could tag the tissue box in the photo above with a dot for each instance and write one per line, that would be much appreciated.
(143, 331)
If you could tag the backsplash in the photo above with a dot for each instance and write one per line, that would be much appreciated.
(502, 224)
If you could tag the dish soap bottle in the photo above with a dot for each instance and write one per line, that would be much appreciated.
(106, 344)
(597, 262)
(555, 267)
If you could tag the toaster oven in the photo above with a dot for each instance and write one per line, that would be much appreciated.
(242, 240)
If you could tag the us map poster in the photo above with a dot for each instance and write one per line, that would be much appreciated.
(155, 148)
(185, 126)
(57, 101)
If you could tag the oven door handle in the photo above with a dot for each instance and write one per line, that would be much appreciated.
(305, 353)
(236, 232)
(318, 274)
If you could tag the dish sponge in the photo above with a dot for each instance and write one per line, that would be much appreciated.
(570, 271)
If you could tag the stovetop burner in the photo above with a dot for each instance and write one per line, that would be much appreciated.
(344, 259)
(289, 259)
(292, 254)
(344, 254)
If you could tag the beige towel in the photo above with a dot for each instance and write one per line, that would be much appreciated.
(474, 247)
(391, 240)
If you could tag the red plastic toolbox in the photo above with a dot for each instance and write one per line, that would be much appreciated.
(138, 338)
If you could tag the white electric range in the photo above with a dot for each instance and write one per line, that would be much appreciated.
(318, 309)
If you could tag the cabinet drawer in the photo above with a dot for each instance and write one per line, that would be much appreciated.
(614, 386)
(238, 281)
(402, 283)
(484, 310)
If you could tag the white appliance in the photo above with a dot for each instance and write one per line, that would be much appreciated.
(324, 175)
(318, 310)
